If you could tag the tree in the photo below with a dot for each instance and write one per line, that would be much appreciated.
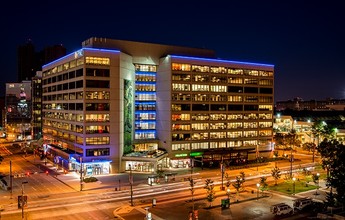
(228, 181)
(238, 184)
(209, 186)
(192, 190)
(309, 146)
(276, 174)
(333, 154)
(243, 177)
(263, 183)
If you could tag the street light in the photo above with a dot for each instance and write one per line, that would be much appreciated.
(294, 185)
(228, 193)
(222, 169)
(317, 182)
(131, 182)
(81, 174)
(257, 191)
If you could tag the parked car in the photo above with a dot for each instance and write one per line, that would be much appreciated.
(281, 209)
(302, 203)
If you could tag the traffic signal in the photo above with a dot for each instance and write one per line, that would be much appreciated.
(22, 201)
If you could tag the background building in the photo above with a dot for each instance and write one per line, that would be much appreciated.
(18, 111)
(298, 104)
(36, 85)
(29, 61)
(116, 105)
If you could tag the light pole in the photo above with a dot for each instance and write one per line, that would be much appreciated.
(228, 193)
(317, 182)
(294, 185)
(22, 198)
(11, 178)
(222, 170)
(131, 182)
(81, 174)
(257, 190)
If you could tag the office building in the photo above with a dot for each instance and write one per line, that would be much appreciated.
(36, 123)
(29, 60)
(18, 111)
(116, 105)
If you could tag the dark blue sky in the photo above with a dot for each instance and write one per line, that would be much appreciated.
(304, 40)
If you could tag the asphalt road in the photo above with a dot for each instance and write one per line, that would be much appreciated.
(58, 196)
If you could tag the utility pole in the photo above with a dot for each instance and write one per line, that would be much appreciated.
(222, 170)
(131, 182)
(11, 178)
(192, 184)
(81, 174)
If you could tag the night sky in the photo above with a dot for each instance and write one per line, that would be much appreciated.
(305, 41)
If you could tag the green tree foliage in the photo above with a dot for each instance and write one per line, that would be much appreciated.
(309, 146)
(243, 177)
(160, 173)
(292, 139)
(263, 183)
(239, 183)
(209, 186)
(280, 140)
(330, 199)
(333, 160)
(191, 188)
(227, 179)
(276, 174)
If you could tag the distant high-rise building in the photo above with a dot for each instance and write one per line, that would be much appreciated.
(27, 65)
(30, 61)
(36, 85)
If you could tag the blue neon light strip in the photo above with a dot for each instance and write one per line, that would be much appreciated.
(144, 92)
(145, 131)
(139, 102)
(91, 49)
(138, 112)
(220, 60)
(149, 121)
(145, 82)
(145, 73)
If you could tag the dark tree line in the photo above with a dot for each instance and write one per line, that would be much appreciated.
(333, 161)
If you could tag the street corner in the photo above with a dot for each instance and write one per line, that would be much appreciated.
(123, 210)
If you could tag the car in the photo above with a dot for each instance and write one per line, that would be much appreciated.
(302, 203)
(281, 209)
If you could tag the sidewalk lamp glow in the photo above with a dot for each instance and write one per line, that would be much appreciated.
(228, 193)
(257, 191)
(318, 183)
(294, 185)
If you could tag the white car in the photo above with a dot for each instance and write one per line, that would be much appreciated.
(302, 203)
(281, 209)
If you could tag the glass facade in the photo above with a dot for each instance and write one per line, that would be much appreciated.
(235, 110)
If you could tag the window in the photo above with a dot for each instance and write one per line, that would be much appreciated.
(98, 72)
(97, 140)
(98, 152)
(145, 68)
(97, 84)
(181, 67)
(97, 61)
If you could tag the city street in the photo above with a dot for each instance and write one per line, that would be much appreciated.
(57, 195)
